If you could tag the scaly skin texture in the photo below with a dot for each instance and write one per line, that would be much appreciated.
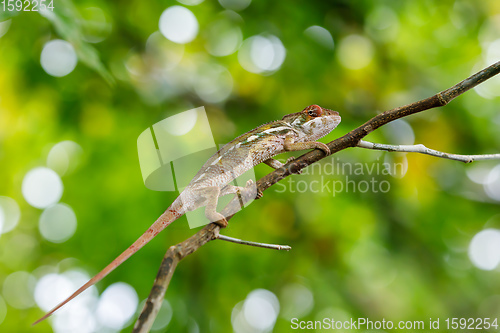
(296, 131)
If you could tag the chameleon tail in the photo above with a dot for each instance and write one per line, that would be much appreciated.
(170, 215)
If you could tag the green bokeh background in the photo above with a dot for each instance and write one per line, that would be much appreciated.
(400, 255)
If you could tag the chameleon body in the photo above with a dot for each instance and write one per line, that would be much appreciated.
(296, 131)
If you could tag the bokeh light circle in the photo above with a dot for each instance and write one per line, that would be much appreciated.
(492, 183)
(484, 249)
(262, 54)
(355, 52)
(117, 305)
(64, 157)
(79, 320)
(382, 23)
(163, 53)
(4, 27)
(58, 58)
(190, 2)
(42, 187)
(181, 123)
(235, 4)
(57, 223)
(399, 132)
(10, 213)
(261, 309)
(164, 316)
(297, 301)
(96, 27)
(257, 313)
(78, 315)
(223, 38)
(478, 173)
(52, 288)
(320, 35)
(18, 289)
(214, 83)
(178, 24)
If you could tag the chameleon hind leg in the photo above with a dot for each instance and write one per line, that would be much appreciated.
(275, 164)
(250, 189)
(232, 189)
(212, 195)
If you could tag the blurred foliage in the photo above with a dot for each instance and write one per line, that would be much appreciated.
(400, 255)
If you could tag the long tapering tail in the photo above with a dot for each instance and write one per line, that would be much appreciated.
(170, 215)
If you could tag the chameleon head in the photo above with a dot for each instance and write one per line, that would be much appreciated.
(314, 121)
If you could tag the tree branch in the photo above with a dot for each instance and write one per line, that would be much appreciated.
(178, 252)
(263, 245)
(424, 150)
(351, 139)
(174, 254)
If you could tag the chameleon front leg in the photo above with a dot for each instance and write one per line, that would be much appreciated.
(231, 189)
(290, 145)
(212, 194)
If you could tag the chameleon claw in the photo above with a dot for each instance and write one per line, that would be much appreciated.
(324, 148)
(290, 159)
(222, 222)
(217, 218)
(251, 183)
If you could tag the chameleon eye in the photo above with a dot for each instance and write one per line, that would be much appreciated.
(314, 110)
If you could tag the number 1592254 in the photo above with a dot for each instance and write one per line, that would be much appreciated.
(27, 5)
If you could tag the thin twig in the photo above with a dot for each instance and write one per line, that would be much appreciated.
(174, 254)
(264, 245)
(424, 150)
(351, 139)
(178, 252)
